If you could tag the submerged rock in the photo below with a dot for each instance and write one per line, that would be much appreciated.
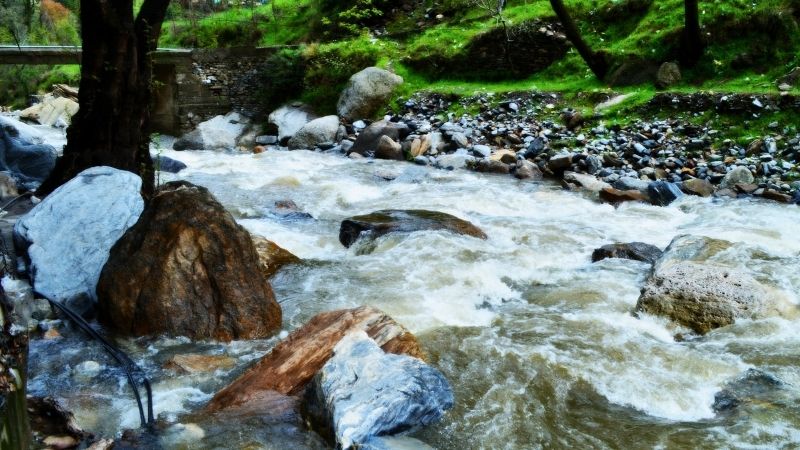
(187, 268)
(388, 221)
(363, 392)
(69, 234)
(289, 367)
(637, 251)
(366, 92)
(753, 384)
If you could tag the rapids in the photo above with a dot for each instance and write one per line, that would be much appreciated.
(539, 343)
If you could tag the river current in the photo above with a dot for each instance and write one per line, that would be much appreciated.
(540, 344)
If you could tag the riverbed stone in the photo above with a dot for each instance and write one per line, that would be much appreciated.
(68, 236)
(389, 149)
(187, 269)
(388, 221)
(290, 119)
(588, 182)
(363, 392)
(611, 195)
(526, 170)
(366, 93)
(324, 129)
(662, 193)
(289, 367)
(698, 186)
(218, 133)
(637, 251)
(739, 175)
(368, 140)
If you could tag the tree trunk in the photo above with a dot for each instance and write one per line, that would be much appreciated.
(112, 126)
(15, 433)
(691, 41)
(596, 61)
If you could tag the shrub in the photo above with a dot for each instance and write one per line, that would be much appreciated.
(281, 78)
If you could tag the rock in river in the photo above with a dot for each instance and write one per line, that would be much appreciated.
(324, 129)
(363, 392)
(272, 256)
(702, 297)
(69, 234)
(369, 139)
(289, 367)
(403, 221)
(187, 268)
(637, 251)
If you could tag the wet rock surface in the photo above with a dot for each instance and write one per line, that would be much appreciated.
(518, 134)
(637, 251)
(187, 269)
(363, 392)
(388, 221)
(97, 207)
(289, 367)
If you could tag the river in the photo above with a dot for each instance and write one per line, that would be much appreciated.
(538, 342)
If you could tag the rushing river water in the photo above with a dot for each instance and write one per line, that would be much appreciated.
(539, 343)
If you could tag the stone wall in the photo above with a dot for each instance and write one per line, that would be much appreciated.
(195, 86)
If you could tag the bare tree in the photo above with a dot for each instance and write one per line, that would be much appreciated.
(596, 61)
(692, 45)
(112, 126)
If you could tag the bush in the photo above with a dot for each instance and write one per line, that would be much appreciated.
(282, 78)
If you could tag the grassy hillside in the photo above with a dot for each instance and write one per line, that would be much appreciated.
(750, 43)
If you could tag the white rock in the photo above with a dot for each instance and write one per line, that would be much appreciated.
(289, 119)
(217, 133)
(51, 110)
(324, 129)
(70, 233)
(369, 393)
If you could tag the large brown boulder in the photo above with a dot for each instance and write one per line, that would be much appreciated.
(387, 221)
(187, 268)
(290, 366)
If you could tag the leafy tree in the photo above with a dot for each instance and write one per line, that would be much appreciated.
(112, 126)
(15, 19)
(596, 61)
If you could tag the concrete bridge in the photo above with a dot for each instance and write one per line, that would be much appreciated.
(192, 85)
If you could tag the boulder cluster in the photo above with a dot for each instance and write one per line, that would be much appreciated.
(532, 136)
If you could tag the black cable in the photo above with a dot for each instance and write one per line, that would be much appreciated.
(128, 366)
